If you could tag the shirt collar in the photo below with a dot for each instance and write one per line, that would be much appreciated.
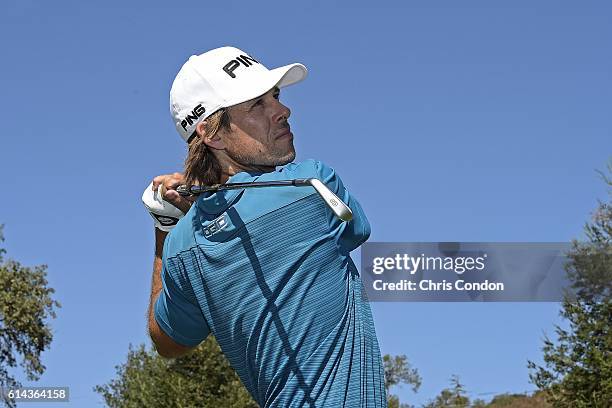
(216, 203)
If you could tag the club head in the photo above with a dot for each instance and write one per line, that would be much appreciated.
(338, 206)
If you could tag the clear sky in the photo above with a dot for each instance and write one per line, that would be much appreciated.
(449, 121)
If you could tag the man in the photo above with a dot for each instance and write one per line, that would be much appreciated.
(266, 271)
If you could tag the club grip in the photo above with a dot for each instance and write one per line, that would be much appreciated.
(184, 191)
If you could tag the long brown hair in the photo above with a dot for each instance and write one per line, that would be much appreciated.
(201, 165)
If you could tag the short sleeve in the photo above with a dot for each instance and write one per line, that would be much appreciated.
(177, 315)
(356, 231)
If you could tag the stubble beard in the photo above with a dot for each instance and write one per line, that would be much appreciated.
(270, 158)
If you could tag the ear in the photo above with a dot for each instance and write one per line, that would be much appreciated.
(214, 142)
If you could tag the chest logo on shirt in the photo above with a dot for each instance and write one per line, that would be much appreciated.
(215, 226)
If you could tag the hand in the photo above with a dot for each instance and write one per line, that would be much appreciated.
(170, 182)
(169, 209)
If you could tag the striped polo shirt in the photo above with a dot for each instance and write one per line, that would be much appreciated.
(268, 272)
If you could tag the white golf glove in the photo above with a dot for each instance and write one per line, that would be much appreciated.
(164, 214)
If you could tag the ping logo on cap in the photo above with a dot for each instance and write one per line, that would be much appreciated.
(231, 66)
(193, 116)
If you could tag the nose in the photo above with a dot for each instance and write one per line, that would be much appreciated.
(282, 113)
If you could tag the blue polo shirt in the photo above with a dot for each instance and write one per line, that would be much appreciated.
(267, 271)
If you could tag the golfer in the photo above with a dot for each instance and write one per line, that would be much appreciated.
(267, 271)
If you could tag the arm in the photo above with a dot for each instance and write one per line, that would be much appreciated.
(356, 231)
(165, 346)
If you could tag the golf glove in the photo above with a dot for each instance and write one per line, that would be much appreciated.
(164, 214)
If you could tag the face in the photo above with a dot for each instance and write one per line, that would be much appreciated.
(259, 135)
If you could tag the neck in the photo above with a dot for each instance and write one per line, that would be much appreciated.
(230, 167)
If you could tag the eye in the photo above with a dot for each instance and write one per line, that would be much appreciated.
(277, 95)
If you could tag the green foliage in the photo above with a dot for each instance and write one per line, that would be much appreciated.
(394, 402)
(397, 372)
(504, 400)
(25, 307)
(538, 400)
(453, 397)
(578, 367)
(203, 378)
(478, 403)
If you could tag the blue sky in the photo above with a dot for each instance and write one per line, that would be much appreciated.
(453, 121)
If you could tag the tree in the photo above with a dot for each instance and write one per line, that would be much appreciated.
(479, 403)
(25, 307)
(202, 378)
(397, 372)
(453, 397)
(537, 400)
(393, 401)
(577, 369)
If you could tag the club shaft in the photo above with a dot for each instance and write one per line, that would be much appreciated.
(339, 208)
(195, 190)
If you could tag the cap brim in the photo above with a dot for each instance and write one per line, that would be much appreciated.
(289, 74)
(281, 77)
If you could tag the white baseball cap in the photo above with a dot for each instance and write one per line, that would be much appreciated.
(221, 78)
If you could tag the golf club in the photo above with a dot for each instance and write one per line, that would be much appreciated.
(340, 209)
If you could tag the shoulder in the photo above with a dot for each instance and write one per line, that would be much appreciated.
(306, 169)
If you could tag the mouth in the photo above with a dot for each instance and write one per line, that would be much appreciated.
(285, 133)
